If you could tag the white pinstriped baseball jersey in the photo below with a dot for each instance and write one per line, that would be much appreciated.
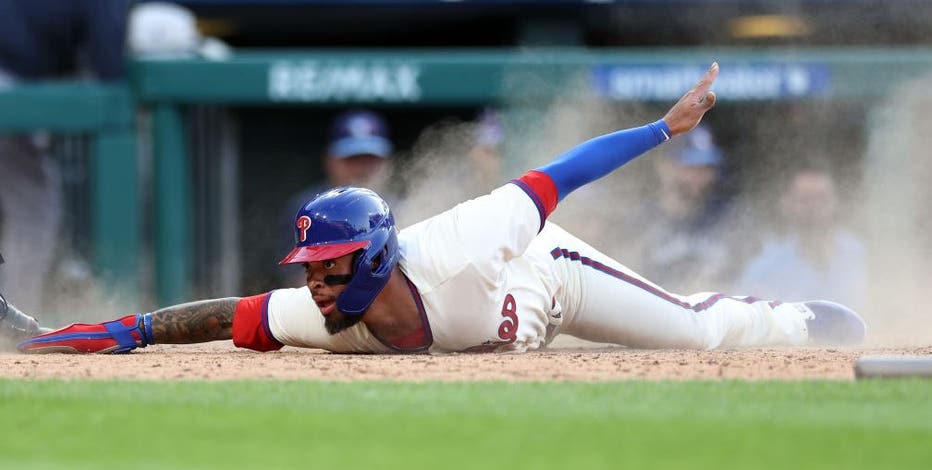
(484, 279)
(468, 272)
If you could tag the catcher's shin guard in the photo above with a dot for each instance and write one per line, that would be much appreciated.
(15, 326)
(113, 337)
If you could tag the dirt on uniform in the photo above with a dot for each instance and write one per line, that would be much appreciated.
(222, 361)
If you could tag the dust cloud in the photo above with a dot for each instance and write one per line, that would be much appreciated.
(878, 153)
(875, 151)
(896, 215)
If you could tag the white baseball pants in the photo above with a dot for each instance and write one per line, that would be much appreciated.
(606, 302)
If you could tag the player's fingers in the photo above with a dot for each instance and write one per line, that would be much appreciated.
(687, 112)
(709, 100)
(702, 88)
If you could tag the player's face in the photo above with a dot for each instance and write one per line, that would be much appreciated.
(688, 182)
(358, 170)
(326, 280)
(810, 202)
(486, 163)
(694, 182)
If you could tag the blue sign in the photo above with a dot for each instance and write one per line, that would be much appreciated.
(745, 81)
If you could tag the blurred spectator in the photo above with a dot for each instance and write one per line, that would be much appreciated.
(811, 256)
(485, 157)
(359, 154)
(41, 40)
(684, 237)
(165, 30)
(464, 159)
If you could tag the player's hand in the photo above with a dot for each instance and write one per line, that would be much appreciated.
(688, 111)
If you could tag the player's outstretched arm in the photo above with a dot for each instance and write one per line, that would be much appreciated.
(193, 322)
(600, 156)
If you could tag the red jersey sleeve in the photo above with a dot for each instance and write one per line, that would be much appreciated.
(251, 324)
(542, 190)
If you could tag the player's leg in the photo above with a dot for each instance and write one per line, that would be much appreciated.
(607, 302)
(16, 326)
(194, 322)
(622, 309)
(30, 219)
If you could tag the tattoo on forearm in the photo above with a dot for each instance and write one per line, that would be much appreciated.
(194, 322)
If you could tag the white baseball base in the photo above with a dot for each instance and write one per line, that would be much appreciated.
(871, 367)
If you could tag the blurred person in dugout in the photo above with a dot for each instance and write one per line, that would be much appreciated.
(45, 40)
(685, 235)
(465, 166)
(808, 252)
(359, 154)
(485, 156)
(159, 30)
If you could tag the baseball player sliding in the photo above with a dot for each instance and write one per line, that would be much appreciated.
(491, 274)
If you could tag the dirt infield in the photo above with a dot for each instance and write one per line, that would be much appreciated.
(221, 361)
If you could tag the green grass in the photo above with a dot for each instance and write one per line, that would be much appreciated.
(277, 425)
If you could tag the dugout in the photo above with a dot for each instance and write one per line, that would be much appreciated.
(774, 104)
(183, 164)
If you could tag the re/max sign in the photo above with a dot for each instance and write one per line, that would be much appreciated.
(315, 81)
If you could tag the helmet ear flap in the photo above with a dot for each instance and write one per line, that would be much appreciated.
(387, 257)
(369, 277)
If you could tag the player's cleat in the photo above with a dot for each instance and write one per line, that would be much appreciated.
(832, 323)
(114, 337)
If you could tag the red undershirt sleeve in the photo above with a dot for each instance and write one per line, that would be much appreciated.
(540, 187)
(251, 324)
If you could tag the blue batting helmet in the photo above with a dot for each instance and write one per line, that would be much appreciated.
(342, 221)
